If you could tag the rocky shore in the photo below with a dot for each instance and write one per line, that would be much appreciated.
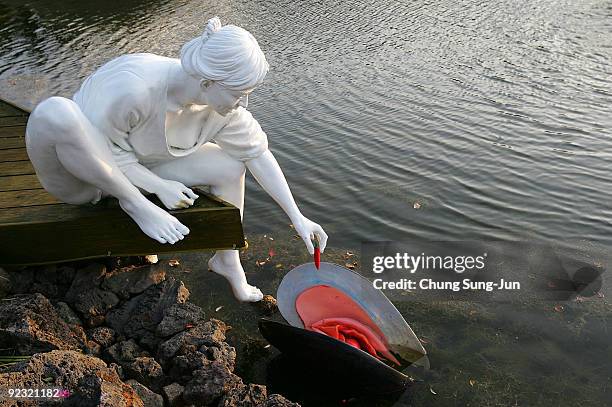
(118, 333)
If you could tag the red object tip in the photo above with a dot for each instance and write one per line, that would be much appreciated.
(317, 254)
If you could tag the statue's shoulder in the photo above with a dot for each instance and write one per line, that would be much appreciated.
(148, 67)
(139, 76)
(128, 83)
(140, 59)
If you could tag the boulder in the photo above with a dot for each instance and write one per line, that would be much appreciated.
(252, 395)
(93, 348)
(182, 367)
(118, 369)
(146, 313)
(103, 335)
(67, 314)
(30, 324)
(138, 318)
(74, 323)
(136, 363)
(146, 370)
(64, 276)
(94, 304)
(85, 279)
(124, 351)
(148, 397)
(173, 394)
(52, 281)
(209, 384)
(210, 333)
(131, 280)
(90, 382)
(86, 296)
(222, 353)
(178, 318)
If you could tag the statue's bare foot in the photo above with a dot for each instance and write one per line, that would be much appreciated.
(154, 221)
(234, 273)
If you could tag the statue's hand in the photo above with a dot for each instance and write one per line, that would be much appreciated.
(307, 229)
(175, 195)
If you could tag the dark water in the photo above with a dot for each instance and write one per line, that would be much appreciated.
(495, 117)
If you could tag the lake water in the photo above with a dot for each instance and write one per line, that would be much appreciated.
(494, 116)
(428, 120)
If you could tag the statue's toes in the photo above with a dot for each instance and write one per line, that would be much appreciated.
(256, 294)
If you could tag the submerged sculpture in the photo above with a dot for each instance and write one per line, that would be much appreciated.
(344, 329)
(143, 122)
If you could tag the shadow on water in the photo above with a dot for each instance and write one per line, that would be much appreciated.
(528, 352)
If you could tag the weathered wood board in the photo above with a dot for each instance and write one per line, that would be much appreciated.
(36, 228)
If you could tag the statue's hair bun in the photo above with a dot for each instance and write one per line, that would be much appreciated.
(213, 25)
(228, 54)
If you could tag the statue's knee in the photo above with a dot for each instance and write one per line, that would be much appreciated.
(57, 114)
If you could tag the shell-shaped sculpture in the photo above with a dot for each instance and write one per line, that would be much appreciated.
(340, 303)
(334, 363)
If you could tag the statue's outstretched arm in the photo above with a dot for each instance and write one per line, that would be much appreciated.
(269, 175)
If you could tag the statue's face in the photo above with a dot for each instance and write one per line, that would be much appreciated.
(222, 99)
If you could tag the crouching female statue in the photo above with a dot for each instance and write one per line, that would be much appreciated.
(146, 122)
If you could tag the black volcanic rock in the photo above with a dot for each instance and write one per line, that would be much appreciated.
(148, 397)
(209, 384)
(90, 381)
(30, 324)
(178, 318)
(103, 335)
(211, 333)
(138, 318)
(128, 281)
(173, 394)
(252, 395)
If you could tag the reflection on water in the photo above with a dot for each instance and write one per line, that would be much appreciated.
(392, 121)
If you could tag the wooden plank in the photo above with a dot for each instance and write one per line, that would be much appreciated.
(14, 154)
(7, 109)
(64, 212)
(13, 121)
(77, 232)
(16, 168)
(114, 236)
(13, 142)
(31, 197)
(19, 182)
(12, 131)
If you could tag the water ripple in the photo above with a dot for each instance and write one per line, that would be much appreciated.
(496, 116)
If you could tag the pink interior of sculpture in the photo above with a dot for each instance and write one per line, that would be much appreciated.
(331, 312)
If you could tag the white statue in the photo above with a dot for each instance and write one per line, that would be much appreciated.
(143, 122)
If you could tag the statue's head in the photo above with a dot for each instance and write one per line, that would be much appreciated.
(228, 62)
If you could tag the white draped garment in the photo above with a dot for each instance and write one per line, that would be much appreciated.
(126, 99)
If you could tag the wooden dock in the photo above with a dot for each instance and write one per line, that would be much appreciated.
(36, 228)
